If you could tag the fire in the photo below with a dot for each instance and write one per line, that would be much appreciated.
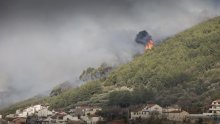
(149, 45)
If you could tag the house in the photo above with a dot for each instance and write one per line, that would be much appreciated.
(49, 119)
(43, 121)
(171, 108)
(85, 113)
(146, 111)
(18, 111)
(70, 118)
(0, 116)
(91, 119)
(58, 118)
(176, 115)
(215, 109)
(23, 114)
(29, 111)
(10, 116)
(85, 110)
(79, 111)
(44, 112)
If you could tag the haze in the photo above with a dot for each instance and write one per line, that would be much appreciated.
(46, 42)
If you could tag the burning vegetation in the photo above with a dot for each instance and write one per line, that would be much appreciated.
(144, 38)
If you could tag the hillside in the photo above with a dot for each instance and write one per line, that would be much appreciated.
(183, 69)
(61, 88)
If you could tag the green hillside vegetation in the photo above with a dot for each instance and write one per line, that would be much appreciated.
(61, 88)
(71, 97)
(183, 69)
(96, 73)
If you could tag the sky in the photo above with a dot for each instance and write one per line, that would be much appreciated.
(47, 42)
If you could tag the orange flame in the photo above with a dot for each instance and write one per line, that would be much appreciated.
(149, 45)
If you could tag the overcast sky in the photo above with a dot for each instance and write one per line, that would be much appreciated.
(46, 42)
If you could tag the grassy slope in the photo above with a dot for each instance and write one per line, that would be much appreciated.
(184, 70)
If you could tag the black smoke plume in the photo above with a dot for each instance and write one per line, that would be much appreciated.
(143, 37)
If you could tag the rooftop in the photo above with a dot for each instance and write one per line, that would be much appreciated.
(141, 107)
(218, 100)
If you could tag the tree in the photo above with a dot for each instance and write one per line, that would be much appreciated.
(120, 98)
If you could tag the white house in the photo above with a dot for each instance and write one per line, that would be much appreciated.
(91, 120)
(38, 107)
(146, 111)
(18, 112)
(178, 115)
(23, 114)
(70, 118)
(85, 110)
(171, 108)
(10, 116)
(175, 113)
(215, 109)
(30, 110)
(44, 112)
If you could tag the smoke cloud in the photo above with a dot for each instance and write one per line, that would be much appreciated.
(46, 42)
(143, 37)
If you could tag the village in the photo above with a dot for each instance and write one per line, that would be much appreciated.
(40, 114)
